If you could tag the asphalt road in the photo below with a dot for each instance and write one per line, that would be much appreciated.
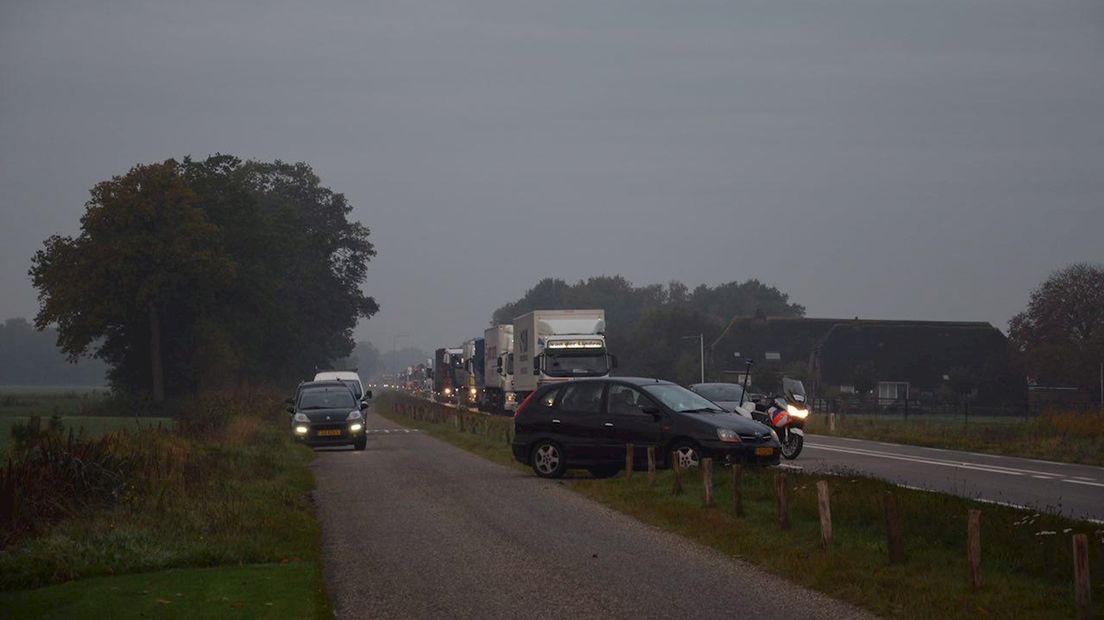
(1073, 490)
(416, 528)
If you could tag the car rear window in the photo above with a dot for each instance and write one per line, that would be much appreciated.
(585, 397)
(549, 398)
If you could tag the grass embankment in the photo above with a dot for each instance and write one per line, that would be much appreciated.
(211, 519)
(1027, 558)
(89, 409)
(1070, 436)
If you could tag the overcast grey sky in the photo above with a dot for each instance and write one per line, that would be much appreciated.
(888, 159)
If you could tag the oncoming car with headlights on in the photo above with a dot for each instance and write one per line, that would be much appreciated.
(326, 413)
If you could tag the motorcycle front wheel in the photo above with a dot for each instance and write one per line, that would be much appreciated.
(791, 445)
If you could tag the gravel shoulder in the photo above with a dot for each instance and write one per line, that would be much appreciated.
(414, 527)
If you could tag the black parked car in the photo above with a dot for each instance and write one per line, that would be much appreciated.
(586, 424)
(326, 413)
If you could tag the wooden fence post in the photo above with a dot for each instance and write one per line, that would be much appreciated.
(824, 506)
(973, 546)
(893, 530)
(783, 501)
(1082, 586)
(651, 465)
(707, 480)
(629, 449)
(737, 494)
(676, 469)
(832, 422)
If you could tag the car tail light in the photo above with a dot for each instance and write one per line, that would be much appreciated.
(524, 404)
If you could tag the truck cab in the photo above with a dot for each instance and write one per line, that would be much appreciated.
(553, 346)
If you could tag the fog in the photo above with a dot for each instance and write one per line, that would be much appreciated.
(928, 159)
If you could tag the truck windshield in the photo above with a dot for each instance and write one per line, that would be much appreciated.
(593, 363)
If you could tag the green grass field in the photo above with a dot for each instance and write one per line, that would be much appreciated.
(78, 408)
(1026, 565)
(252, 591)
(215, 522)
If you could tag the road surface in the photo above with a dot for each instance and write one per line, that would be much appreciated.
(1073, 490)
(416, 528)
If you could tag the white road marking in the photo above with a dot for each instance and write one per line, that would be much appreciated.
(996, 469)
(1094, 484)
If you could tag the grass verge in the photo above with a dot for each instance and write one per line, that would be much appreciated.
(1027, 558)
(226, 488)
(255, 591)
(1069, 437)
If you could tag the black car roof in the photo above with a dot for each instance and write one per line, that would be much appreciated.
(633, 380)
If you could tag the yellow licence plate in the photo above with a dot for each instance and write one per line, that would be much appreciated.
(330, 433)
(764, 451)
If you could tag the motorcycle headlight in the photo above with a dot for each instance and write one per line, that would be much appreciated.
(797, 412)
(301, 417)
(354, 415)
(728, 435)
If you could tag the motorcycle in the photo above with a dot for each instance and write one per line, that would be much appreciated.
(785, 415)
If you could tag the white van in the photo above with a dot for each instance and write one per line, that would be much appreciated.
(349, 377)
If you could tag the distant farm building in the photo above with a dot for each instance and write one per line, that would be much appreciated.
(896, 360)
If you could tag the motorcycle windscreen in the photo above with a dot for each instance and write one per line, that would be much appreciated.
(793, 389)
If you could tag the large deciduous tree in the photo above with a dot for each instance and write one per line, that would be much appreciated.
(208, 273)
(146, 256)
(1061, 333)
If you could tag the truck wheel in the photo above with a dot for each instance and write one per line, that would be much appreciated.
(548, 459)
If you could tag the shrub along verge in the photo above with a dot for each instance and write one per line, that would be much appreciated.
(226, 487)
(1027, 565)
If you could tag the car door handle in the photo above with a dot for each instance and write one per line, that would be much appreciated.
(609, 425)
(555, 421)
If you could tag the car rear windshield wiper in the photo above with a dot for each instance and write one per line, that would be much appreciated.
(701, 410)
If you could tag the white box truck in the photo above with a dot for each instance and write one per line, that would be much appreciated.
(552, 346)
(498, 369)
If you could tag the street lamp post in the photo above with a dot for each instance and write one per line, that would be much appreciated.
(701, 351)
(395, 349)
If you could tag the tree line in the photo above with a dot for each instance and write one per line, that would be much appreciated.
(201, 274)
(654, 329)
(31, 357)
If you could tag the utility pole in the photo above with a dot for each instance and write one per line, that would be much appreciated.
(701, 351)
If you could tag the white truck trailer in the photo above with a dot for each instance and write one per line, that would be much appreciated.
(553, 346)
(498, 369)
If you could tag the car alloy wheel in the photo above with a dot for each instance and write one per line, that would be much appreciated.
(687, 455)
(548, 460)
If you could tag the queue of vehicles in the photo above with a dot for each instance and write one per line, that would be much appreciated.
(551, 369)
(510, 362)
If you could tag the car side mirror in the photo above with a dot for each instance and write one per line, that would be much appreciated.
(291, 410)
(367, 394)
(651, 410)
(363, 406)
